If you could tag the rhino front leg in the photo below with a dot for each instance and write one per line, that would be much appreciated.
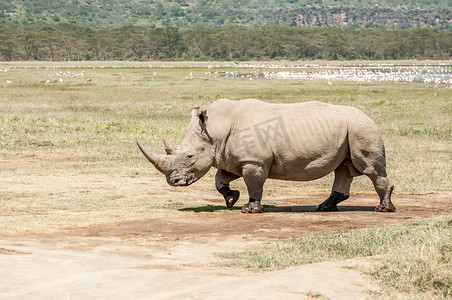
(222, 180)
(254, 176)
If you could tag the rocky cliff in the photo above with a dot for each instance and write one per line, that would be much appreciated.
(377, 17)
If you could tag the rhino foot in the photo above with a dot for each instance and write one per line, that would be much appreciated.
(324, 207)
(252, 207)
(231, 197)
(383, 208)
(330, 204)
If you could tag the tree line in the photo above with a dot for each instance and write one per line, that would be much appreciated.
(72, 42)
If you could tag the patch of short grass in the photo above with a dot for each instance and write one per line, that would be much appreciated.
(412, 258)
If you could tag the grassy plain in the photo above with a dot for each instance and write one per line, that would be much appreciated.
(53, 132)
(68, 157)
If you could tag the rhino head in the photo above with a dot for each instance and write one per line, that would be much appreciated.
(185, 164)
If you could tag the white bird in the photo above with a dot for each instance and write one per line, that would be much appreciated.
(8, 82)
(60, 80)
(329, 82)
(47, 81)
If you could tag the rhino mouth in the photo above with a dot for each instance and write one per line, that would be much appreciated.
(177, 180)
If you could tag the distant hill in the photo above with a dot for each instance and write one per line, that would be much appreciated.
(400, 14)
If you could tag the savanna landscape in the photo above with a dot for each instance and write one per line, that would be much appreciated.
(84, 215)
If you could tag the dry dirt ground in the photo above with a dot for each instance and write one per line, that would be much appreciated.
(162, 258)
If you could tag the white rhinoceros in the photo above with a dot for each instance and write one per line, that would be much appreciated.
(257, 140)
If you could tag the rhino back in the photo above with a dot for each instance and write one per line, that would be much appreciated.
(301, 141)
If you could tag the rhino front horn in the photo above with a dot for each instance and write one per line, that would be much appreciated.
(159, 161)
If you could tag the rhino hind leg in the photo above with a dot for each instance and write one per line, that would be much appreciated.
(384, 188)
(330, 204)
(222, 180)
(373, 165)
(343, 177)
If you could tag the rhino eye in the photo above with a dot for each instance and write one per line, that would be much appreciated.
(190, 155)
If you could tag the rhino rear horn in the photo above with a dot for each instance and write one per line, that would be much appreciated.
(169, 148)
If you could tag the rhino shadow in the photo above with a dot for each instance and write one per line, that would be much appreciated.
(277, 209)
(313, 208)
(208, 208)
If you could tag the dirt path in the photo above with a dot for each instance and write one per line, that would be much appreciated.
(178, 271)
(163, 258)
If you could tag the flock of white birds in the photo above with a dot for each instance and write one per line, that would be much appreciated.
(437, 75)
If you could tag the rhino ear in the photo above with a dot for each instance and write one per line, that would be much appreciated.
(202, 116)
(194, 112)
